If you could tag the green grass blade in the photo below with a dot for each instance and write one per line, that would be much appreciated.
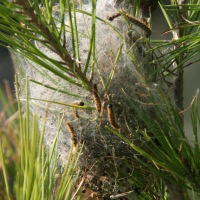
(71, 28)
(166, 15)
(4, 172)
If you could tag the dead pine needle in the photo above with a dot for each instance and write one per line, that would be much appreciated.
(121, 195)
(192, 102)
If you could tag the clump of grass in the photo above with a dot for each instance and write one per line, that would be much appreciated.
(9, 140)
(27, 169)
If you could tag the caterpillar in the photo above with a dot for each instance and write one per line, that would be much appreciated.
(74, 110)
(134, 20)
(96, 98)
(72, 134)
(112, 17)
(139, 23)
(111, 118)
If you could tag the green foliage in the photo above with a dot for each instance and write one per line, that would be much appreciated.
(165, 155)
(184, 27)
(166, 146)
(34, 171)
(32, 23)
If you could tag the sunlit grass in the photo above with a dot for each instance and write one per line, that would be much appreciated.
(27, 169)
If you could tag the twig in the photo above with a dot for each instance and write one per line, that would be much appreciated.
(121, 195)
(192, 102)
